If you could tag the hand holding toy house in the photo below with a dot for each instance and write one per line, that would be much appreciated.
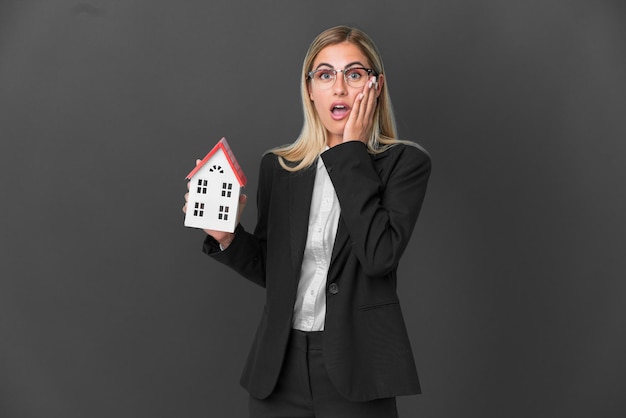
(214, 187)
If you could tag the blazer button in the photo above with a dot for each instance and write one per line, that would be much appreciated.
(333, 288)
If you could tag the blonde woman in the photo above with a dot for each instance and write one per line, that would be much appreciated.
(336, 209)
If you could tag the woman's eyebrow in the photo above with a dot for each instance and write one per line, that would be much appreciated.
(352, 64)
(324, 64)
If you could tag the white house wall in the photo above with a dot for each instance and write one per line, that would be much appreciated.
(218, 202)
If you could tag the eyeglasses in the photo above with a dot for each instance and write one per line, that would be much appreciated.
(324, 78)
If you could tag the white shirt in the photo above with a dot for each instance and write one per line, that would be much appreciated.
(309, 311)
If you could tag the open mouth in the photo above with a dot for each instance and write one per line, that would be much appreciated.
(339, 111)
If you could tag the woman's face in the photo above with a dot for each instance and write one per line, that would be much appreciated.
(333, 105)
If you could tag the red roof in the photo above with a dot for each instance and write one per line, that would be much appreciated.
(223, 144)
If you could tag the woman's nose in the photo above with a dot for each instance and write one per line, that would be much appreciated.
(340, 86)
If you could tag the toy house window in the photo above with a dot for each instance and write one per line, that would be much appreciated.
(226, 189)
(202, 186)
(198, 209)
(223, 213)
(217, 168)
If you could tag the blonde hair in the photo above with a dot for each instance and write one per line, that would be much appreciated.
(312, 140)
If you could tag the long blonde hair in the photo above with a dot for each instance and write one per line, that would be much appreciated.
(312, 140)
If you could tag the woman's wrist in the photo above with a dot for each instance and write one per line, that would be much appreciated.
(226, 241)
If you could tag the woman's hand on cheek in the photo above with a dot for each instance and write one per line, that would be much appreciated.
(360, 122)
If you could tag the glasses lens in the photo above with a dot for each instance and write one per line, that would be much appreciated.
(324, 78)
(356, 77)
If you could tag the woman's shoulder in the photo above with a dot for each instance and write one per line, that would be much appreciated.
(275, 160)
(269, 160)
(271, 164)
(407, 150)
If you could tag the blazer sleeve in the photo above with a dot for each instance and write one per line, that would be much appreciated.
(380, 198)
(246, 254)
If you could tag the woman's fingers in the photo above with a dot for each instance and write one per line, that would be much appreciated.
(368, 102)
(186, 199)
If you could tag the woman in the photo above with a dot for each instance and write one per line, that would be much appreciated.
(335, 212)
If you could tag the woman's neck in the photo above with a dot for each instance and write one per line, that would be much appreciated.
(332, 140)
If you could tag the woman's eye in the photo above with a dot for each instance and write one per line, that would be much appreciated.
(354, 74)
(325, 75)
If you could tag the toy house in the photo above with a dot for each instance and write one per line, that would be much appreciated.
(214, 187)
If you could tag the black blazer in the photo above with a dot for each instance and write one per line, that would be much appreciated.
(366, 346)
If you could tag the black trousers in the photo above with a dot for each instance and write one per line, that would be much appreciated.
(304, 389)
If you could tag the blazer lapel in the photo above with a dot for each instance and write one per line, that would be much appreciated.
(336, 263)
(341, 239)
(300, 194)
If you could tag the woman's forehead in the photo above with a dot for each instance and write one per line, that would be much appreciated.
(340, 55)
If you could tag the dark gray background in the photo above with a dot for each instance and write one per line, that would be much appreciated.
(513, 285)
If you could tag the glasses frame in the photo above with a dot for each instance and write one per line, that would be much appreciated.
(310, 75)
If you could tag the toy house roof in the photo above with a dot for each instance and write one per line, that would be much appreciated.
(232, 161)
